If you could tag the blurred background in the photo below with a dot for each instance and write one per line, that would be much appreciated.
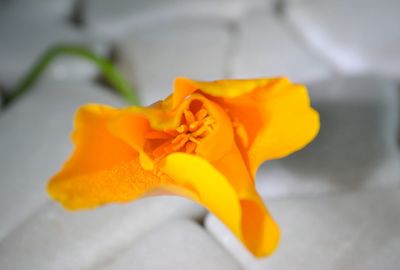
(337, 201)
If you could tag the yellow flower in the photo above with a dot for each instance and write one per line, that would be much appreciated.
(204, 142)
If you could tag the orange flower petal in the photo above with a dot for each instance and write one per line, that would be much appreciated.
(271, 117)
(233, 167)
(102, 167)
(289, 123)
(246, 217)
(221, 136)
(133, 124)
(204, 142)
(259, 231)
(276, 120)
(132, 128)
(223, 88)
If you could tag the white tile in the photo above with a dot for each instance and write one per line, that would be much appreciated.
(177, 245)
(26, 43)
(355, 149)
(114, 19)
(154, 56)
(37, 10)
(398, 118)
(34, 142)
(267, 46)
(349, 231)
(53, 238)
(28, 30)
(356, 35)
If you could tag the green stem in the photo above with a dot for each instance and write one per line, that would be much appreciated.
(112, 75)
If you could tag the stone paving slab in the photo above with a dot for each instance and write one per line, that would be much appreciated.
(176, 245)
(114, 19)
(34, 142)
(26, 44)
(356, 148)
(53, 238)
(357, 35)
(38, 10)
(159, 40)
(356, 231)
(268, 46)
(29, 28)
(154, 56)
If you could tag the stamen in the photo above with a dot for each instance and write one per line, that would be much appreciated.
(194, 126)
(157, 135)
(179, 138)
(172, 133)
(180, 144)
(201, 114)
(189, 117)
(182, 128)
(186, 137)
(208, 121)
(192, 139)
(160, 150)
(199, 132)
(190, 147)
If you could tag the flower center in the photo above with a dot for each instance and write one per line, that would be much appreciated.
(186, 137)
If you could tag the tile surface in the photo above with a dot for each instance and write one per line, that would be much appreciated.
(338, 203)
(268, 46)
(368, 41)
(53, 238)
(114, 19)
(154, 56)
(355, 149)
(34, 143)
(29, 28)
(347, 231)
(176, 245)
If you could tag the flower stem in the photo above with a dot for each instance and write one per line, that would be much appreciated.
(112, 75)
